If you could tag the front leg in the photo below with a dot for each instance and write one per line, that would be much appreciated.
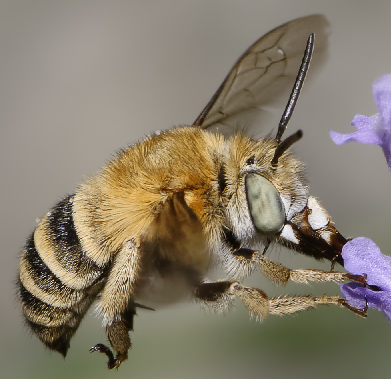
(220, 295)
(116, 303)
(280, 274)
(118, 335)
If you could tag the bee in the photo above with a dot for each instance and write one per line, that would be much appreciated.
(151, 225)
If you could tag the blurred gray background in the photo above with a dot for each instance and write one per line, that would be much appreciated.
(81, 79)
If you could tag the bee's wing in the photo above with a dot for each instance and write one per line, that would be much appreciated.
(265, 71)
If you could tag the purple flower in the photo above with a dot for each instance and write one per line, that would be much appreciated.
(374, 130)
(363, 257)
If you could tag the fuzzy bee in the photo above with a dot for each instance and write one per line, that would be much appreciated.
(156, 219)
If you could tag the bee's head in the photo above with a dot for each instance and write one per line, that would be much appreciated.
(262, 196)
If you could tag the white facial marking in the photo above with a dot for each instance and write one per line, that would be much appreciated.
(326, 235)
(288, 234)
(318, 217)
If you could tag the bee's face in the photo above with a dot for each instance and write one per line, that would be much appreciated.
(262, 197)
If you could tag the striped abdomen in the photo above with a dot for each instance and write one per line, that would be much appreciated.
(58, 282)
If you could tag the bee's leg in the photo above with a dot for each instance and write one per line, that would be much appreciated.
(118, 334)
(116, 304)
(281, 274)
(105, 350)
(221, 294)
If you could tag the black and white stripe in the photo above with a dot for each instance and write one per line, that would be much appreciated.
(58, 282)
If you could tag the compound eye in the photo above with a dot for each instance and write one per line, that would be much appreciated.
(265, 205)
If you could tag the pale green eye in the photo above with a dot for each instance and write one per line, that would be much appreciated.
(264, 202)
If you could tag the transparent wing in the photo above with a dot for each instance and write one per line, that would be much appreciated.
(264, 73)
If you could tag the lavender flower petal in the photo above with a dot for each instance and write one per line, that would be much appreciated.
(382, 94)
(374, 130)
(363, 257)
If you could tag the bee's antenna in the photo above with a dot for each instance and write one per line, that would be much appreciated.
(284, 145)
(305, 64)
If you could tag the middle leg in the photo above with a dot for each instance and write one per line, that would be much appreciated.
(220, 295)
